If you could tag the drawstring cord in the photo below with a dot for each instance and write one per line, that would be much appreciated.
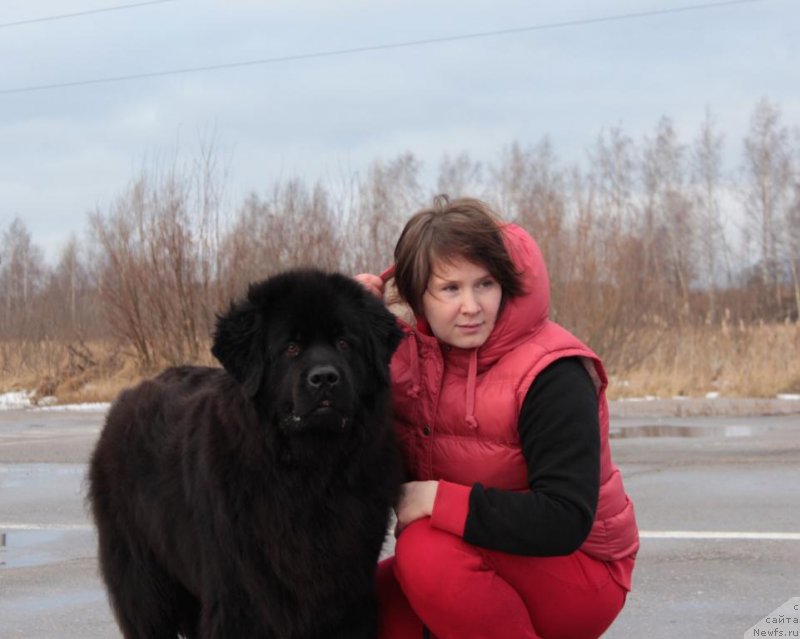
(472, 376)
(413, 390)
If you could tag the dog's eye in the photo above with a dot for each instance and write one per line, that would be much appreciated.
(343, 345)
(293, 349)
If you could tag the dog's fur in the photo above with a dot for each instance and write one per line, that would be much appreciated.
(253, 501)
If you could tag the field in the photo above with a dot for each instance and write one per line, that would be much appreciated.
(734, 361)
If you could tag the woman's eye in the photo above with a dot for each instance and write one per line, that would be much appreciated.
(293, 349)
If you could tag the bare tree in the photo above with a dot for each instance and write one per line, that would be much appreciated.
(707, 183)
(670, 214)
(613, 296)
(294, 227)
(387, 197)
(766, 192)
(531, 193)
(459, 176)
(68, 303)
(793, 241)
(614, 160)
(615, 215)
(21, 277)
(154, 251)
(121, 278)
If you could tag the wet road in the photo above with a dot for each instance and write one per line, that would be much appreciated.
(49, 585)
(717, 501)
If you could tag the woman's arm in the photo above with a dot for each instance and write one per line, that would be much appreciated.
(416, 501)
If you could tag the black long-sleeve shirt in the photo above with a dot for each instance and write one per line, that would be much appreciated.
(560, 437)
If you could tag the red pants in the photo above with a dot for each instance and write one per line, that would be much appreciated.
(460, 591)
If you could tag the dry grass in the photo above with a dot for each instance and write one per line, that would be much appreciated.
(736, 361)
(73, 372)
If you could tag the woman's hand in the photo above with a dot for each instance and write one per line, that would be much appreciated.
(416, 501)
(373, 283)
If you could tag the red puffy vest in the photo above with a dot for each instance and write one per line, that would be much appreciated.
(456, 411)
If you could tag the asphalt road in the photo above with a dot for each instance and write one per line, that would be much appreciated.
(717, 499)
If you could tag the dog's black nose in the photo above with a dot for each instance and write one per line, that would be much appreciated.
(320, 376)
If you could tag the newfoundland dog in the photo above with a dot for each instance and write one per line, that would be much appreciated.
(253, 501)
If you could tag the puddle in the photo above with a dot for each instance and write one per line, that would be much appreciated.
(48, 604)
(49, 486)
(24, 548)
(14, 475)
(671, 430)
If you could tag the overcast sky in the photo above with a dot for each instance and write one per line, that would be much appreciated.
(66, 151)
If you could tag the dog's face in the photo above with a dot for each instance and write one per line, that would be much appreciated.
(310, 349)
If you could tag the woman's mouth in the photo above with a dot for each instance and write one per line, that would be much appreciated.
(469, 328)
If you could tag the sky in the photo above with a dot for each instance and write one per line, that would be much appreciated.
(68, 151)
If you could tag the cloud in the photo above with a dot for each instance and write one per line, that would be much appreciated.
(68, 151)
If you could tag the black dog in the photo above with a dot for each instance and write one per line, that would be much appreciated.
(253, 501)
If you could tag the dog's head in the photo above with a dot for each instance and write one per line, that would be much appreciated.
(310, 349)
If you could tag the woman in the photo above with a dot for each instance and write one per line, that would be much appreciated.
(515, 523)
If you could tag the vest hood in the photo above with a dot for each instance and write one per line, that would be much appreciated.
(526, 314)
(519, 317)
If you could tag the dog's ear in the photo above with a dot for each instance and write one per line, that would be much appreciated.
(239, 346)
(383, 333)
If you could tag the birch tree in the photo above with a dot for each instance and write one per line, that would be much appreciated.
(707, 183)
(766, 194)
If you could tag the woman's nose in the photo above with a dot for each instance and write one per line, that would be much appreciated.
(469, 303)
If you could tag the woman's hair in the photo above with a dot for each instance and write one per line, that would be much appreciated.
(463, 228)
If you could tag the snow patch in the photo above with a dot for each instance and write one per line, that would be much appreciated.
(16, 400)
(91, 406)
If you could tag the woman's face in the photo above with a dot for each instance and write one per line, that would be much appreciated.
(461, 302)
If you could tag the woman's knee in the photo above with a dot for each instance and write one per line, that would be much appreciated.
(429, 562)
